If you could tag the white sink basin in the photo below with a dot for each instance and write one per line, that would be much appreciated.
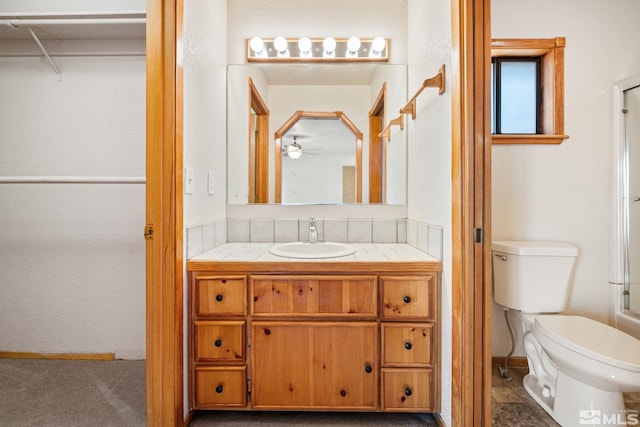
(311, 250)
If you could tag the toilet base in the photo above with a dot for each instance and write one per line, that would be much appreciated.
(576, 403)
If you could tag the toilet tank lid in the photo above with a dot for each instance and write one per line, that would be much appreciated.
(528, 247)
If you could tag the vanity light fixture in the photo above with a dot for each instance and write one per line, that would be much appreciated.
(327, 49)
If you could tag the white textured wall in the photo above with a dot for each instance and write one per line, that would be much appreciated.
(562, 192)
(429, 135)
(205, 83)
(72, 275)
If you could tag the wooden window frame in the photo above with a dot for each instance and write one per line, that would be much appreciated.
(551, 53)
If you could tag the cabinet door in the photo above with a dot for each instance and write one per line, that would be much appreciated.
(407, 344)
(410, 297)
(220, 296)
(317, 296)
(219, 341)
(407, 390)
(315, 365)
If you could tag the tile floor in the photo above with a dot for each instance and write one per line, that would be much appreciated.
(513, 407)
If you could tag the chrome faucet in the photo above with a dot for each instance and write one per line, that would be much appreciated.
(313, 231)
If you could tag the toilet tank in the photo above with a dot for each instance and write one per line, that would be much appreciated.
(533, 276)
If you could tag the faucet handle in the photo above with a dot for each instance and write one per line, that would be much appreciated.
(312, 221)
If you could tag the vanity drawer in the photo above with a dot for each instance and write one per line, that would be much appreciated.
(220, 386)
(314, 296)
(407, 390)
(409, 297)
(220, 296)
(407, 344)
(219, 341)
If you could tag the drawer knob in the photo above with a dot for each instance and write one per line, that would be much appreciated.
(407, 299)
(343, 393)
(219, 389)
(218, 343)
(267, 331)
(219, 297)
(368, 369)
(408, 391)
(408, 345)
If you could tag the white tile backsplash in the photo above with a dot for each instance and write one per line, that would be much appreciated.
(220, 232)
(286, 229)
(384, 231)
(194, 241)
(262, 230)
(412, 232)
(434, 247)
(359, 230)
(402, 230)
(335, 230)
(421, 235)
(238, 230)
(208, 236)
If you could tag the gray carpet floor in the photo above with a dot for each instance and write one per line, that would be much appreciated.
(80, 393)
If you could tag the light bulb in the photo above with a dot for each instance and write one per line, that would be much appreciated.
(304, 45)
(280, 43)
(257, 45)
(377, 45)
(329, 46)
(353, 44)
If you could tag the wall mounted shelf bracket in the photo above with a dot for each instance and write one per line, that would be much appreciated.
(44, 51)
(436, 81)
(386, 132)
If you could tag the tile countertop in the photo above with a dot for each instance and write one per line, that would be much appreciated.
(365, 252)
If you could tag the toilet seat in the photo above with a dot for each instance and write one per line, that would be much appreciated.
(592, 339)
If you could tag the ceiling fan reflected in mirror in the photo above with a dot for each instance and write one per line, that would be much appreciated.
(294, 150)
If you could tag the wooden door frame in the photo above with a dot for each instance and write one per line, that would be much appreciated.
(471, 158)
(378, 148)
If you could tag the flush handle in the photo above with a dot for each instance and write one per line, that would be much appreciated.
(500, 256)
(635, 199)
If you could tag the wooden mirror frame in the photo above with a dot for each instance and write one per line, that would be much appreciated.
(331, 115)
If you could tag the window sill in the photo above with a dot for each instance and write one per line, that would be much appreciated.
(528, 139)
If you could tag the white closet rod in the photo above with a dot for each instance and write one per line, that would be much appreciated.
(19, 22)
(72, 180)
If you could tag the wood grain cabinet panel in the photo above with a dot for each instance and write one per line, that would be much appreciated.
(220, 386)
(362, 338)
(407, 344)
(219, 341)
(315, 365)
(314, 295)
(220, 296)
(409, 297)
(407, 390)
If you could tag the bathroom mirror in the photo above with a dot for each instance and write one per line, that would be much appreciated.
(261, 98)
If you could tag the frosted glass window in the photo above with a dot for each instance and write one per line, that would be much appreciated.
(515, 96)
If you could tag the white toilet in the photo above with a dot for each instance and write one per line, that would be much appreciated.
(578, 368)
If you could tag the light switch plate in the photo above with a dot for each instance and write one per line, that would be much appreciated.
(188, 181)
(211, 183)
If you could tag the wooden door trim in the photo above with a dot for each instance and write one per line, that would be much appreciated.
(470, 402)
(471, 211)
(164, 204)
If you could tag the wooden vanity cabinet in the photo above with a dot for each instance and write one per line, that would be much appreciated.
(318, 338)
